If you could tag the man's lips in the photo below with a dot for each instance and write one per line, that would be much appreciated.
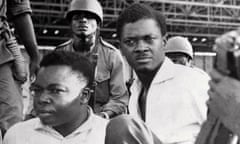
(82, 27)
(143, 58)
(44, 112)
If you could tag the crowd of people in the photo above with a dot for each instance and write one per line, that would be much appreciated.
(82, 93)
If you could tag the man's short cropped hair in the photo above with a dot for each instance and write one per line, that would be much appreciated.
(77, 62)
(137, 12)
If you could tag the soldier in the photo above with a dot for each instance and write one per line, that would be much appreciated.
(11, 61)
(85, 18)
(180, 51)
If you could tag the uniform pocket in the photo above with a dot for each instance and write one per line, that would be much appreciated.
(102, 89)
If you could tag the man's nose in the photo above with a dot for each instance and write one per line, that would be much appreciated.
(44, 98)
(141, 46)
(83, 18)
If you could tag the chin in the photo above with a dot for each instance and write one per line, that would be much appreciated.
(142, 67)
(143, 70)
(82, 33)
(146, 69)
(48, 121)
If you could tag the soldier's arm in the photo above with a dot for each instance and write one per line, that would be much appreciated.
(25, 30)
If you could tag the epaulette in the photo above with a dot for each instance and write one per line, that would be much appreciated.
(107, 44)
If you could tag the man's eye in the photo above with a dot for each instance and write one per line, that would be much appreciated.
(129, 42)
(56, 91)
(75, 17)
(149, 39)
(36, 90)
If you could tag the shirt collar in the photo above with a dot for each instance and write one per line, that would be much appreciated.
(165, 72)
(87, 125)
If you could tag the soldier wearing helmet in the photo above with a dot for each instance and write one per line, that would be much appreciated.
(179, 50)
(110, 93)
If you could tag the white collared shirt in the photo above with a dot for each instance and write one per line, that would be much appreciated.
(175, 104)
(92, 131)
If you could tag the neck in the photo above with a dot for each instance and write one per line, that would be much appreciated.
(84, 44)
(71, 126)
(146, 78)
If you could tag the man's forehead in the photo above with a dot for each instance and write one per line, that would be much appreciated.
(59, 75)
(142, 27)
(137, 35)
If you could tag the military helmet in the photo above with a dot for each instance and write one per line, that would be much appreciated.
(179, 44)
(92, 6)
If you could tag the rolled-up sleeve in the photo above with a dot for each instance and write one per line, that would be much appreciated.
(17, 7)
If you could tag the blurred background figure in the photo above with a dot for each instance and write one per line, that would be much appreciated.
(223, 124)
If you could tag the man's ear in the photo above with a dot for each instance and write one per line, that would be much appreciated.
(164, 38)
(85, 95)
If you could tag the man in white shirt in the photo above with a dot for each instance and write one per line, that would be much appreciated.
(61, 94)
(170, 98)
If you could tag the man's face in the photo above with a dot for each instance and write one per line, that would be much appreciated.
(57, 93)
(142, 44)
(179, 58)
(83, 23)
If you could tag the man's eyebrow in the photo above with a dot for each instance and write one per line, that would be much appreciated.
(57, 85)
(131, 37)
(50, 85)
(139, 37)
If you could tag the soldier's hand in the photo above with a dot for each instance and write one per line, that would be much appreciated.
(225, 100)
(33, 69)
